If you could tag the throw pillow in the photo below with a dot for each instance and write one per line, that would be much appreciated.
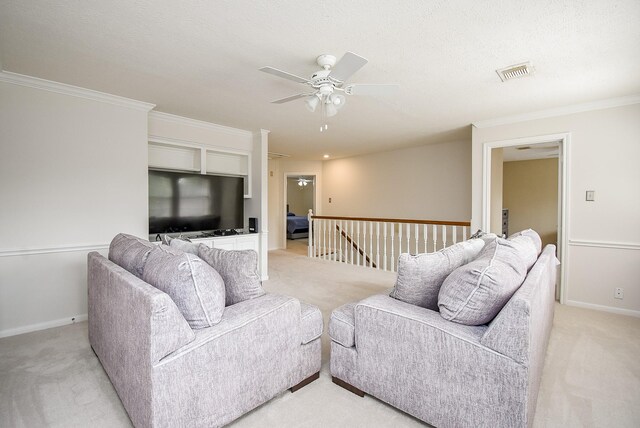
(239, 270)
(531, 234)
(182, 244)
(130, 252)
(195, 287)
(474, 293)
(420, 277)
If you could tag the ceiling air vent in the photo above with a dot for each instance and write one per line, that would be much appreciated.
(273, 155)
(515, 71)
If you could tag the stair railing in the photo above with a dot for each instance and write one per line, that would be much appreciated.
(377, 242)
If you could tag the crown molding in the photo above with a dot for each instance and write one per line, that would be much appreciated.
(74, 91)
(181, 120)
(560, 111)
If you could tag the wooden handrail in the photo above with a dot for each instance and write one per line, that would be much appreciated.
(394, 220)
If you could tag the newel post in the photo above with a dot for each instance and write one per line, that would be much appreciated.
(310, 249)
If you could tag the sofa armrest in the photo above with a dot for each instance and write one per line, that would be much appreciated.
(408, 313)
(236, 317)
(128, 315)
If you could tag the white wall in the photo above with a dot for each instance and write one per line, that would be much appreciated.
(431, 182)
(278, 168)
(604, 236)
(73, 173)
(299, 198)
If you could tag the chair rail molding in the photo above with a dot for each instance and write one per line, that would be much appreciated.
(52, 250)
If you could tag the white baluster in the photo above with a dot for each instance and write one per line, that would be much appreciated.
(408, 238)
(435, 238)
(455, 234)
(384, 234)
(334, 246)
(358, 242)
(324, 239)
(424, 231)
(370, 244)
(393, 227)
(464, 233)
(444, 236)
(364, 243)
(399, 239)
(310, 237)
(378, 245)
(352, 235)
(417, 238)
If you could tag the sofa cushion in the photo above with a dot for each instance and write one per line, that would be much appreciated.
(311, 322)
(420, 276)
(239, 270)
(195, 287)
(130, 252)
(342, 325)
(474, 293)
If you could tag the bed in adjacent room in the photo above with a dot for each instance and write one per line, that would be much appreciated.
(297, 226)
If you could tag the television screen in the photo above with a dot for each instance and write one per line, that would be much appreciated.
(188, 202)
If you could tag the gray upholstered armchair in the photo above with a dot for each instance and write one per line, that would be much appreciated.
(169, 374)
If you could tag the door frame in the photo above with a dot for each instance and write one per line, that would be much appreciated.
(288, 175)
(564, 165)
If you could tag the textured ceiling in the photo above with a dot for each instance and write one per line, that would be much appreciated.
(200, 59)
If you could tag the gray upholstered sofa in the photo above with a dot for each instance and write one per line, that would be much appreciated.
(168, 374)
(446, 373)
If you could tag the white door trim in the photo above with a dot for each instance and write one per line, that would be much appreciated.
(564, 139)
(286, 197)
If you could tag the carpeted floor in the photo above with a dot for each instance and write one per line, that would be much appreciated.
(591, 376)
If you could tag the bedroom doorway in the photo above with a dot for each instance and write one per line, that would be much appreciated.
(299, 198)
(554, 148)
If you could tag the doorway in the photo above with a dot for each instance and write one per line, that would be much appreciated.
(530, 174)
(299, 198)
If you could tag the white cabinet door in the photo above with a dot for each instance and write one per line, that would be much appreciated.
(247, 243)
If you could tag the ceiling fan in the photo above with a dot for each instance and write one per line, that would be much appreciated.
(327, 87)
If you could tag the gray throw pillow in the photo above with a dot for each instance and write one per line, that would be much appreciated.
(420, 276)
(195, 287)
(474, 293)
(533, 235)
(239, 270)
(182, 244)
(130, 252)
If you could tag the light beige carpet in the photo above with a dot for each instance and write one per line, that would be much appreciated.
(591, 376)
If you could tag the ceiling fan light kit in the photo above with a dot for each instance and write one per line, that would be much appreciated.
(326, 84)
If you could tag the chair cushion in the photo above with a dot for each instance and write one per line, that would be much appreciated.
(474, 293)
(342, 325)
(130, 253)
(195, 287)
(239, 270)
(311, 322)
(420, 277)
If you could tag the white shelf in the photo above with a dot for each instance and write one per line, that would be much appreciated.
(198, 158)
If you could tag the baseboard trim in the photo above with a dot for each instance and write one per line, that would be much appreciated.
(603, 308)
(43, 325)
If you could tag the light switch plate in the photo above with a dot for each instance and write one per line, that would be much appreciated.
(591, 195)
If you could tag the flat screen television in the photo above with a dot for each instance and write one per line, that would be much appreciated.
(189, 202)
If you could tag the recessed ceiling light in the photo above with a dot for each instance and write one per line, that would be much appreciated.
(326, 156)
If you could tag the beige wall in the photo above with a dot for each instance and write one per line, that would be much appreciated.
(496, 191)
(604, 235)
(427, 182)
(73, 174)
(530, 192)
(277, 169)
(299, 198)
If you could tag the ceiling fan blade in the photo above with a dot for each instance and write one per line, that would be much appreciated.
(372, 89)
(348, 64)
(291, 98)
(284, 74)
